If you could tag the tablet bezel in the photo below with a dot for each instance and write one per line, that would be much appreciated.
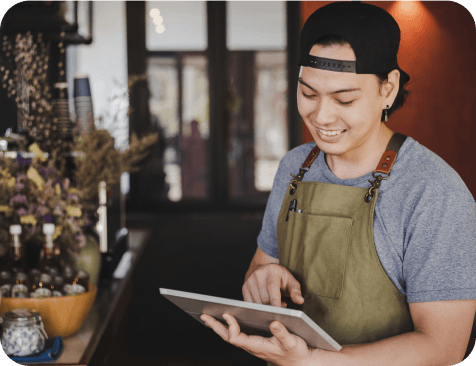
(262, 315)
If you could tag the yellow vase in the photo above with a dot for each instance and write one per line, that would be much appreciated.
(89, 259)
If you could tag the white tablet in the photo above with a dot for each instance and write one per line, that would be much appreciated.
(254, 319)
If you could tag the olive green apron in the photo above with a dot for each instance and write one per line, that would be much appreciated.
(325, 239)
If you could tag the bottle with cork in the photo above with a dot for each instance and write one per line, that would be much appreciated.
(15, 261)
(49, 262)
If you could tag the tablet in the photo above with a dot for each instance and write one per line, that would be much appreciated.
(254, 319)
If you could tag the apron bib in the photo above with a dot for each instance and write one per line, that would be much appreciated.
(325, 239)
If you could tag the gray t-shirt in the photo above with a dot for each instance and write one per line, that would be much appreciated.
(424, 221)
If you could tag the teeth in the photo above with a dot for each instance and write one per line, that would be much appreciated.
(330, 133)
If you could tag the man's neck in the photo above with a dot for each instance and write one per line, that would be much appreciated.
(361, 160)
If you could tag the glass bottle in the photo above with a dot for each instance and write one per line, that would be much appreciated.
(21, 286)
(42, 287)
(6, 283)
(16, 260)
(48, 259)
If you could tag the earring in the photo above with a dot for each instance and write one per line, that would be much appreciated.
(386, 114)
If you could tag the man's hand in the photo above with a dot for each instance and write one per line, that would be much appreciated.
(265, 284)
(282, 349)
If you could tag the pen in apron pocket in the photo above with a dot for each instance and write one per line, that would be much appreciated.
(292, 207)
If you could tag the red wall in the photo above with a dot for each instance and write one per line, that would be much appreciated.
(438, 51)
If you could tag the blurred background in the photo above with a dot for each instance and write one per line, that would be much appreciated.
(217, 82)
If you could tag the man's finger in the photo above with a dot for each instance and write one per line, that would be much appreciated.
(233, 328)
(255, 295)
(247, 294)
(297, 297)
(294, 290)
(282, 335)
(217, 327)
(274, 291)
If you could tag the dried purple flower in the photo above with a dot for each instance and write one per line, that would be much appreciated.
(19, 198)
(22, 212)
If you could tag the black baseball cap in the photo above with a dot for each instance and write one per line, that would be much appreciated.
(373, 34)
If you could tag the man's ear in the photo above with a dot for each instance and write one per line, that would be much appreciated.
(390, 88)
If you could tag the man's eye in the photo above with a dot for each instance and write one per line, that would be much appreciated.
(345, 103)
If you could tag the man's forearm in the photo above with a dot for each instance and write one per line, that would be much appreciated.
(414, 348)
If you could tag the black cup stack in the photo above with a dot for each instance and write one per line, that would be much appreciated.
(83, 104)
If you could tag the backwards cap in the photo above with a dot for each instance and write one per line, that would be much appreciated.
(373, 34)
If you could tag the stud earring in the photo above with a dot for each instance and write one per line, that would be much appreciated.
(386, 114)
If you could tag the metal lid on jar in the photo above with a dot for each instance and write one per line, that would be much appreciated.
(5, 275)
(22, 316)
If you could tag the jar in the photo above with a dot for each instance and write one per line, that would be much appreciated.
(23, 333)
(53, 272)
(58, 283)
(20, 286)
(6, 283)
(34, 274)
(75, 283)
(42, 287)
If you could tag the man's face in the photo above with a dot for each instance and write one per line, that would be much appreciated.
(341, 110)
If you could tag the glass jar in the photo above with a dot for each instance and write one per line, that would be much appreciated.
(20, 286)
(23, 333)
(6, 283)
(58, 283)
(34, 275)
(42, 287)
(75, 283)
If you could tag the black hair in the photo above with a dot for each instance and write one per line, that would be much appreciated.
(334, 39)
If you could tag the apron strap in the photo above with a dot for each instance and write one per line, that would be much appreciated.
(386, 163)
(304, 168)
(384, 166)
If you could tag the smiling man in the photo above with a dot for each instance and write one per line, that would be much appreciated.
(374, 235)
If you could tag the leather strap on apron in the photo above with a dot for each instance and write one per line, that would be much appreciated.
(384, 166)
(327, 243)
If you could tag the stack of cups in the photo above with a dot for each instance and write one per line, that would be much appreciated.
(83, 104)
(61, 117)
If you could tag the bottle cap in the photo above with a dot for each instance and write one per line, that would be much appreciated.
(48, 229)
(15, 229)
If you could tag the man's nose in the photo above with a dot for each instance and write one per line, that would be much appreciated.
(324, 113)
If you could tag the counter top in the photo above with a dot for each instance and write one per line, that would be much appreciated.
(102, 322)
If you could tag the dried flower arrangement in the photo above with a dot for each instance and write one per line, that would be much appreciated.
(37, 191)
(33, 193)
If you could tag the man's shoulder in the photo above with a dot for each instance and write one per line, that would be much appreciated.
(295, 157)
(421, 168)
